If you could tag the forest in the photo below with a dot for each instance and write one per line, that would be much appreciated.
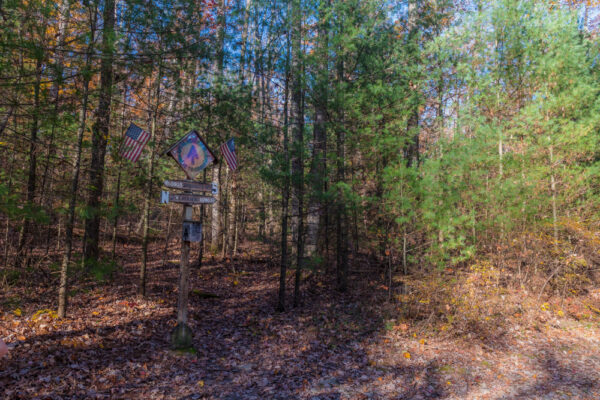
(301, 199)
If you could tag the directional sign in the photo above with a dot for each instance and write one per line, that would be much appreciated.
(190, 198)
(189, 185)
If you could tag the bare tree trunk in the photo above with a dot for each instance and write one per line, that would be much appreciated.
(145, 238)
(341, 226)
(31, 180)
(225, 214)
(244, 40)
(232, 216)
(317, 169)
(63, 18)
(7, 230)
(100, 132)
(285, 193)
(64, 271)
(118, 191)
(297, 112)
(553, 188)
(411, 151)
(215, 225)
(218, 67)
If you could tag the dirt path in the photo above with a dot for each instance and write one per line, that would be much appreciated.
(115, 345)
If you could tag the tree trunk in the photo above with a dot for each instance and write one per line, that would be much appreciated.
(118, 191)
(218, 68)
(317, 170)
(553, 188)
(232, 215)
(215, 224)
(285, 193)
(7, 230)
(168, 237)
(100, 133)
(150, 172)
(31, 180)
(411, 150)
(341, 231)
(225, 214)
(62, 291)
(63, 18)
(297, 112)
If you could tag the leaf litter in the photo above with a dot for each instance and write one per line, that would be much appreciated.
(334, 346)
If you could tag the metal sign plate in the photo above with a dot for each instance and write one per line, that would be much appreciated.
(192, 154)
(192, 231)
(189, 185)
(190, 198)
(185, 198)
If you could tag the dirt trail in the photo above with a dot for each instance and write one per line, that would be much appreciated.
(116, 345)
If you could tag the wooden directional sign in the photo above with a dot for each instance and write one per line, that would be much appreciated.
(185, 198)
(192, 154)
(189, 185)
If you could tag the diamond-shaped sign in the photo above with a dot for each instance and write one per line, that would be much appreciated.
(192, 154)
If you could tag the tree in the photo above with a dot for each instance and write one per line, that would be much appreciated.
(100, 134)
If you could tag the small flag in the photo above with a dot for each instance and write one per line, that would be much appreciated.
(228, 151)
(135, 140)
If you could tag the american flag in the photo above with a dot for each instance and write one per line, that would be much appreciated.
(228, 151)
(135, 140)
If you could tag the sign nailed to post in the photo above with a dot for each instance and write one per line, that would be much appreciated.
(185, 198)
(192, 231)
(192, 154)
(192, 186)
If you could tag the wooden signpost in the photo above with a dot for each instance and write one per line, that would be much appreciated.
(193, 155)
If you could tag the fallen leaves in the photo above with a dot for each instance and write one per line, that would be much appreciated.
(119, 347)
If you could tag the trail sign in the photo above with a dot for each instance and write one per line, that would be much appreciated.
(185, 198)
(190, 185)
(192, 231)
(191, 154)
(164, 197)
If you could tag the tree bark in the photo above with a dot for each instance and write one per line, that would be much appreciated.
(297, 112)
(31, 179)
(100, 134)
(64, 271)
(218, 68)
(317, 170)
(411, 150)
(341, 231)
(150, 173)
(285, 192)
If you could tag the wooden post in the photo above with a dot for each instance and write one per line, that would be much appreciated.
(182, 334)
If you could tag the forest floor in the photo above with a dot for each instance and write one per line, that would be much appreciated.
(334, 346)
